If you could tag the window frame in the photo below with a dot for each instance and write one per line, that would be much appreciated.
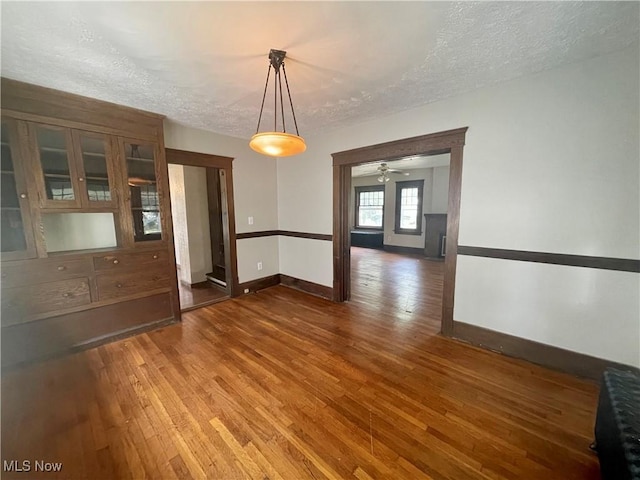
(419, 184)
(368, 188)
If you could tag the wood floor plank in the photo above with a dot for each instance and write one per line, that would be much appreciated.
(283, 385)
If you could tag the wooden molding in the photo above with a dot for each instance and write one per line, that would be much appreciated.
(287, 281)
(556, 358)
(259, 284)
(34, 103)
(605, 263)
(433, 143)
(307, 287)
(450, 141)
(356, 206)
(312, 236)
(419, 184)
(341, 233)
(285, 233)
(195, 159)
(264, 233)
(224, 165)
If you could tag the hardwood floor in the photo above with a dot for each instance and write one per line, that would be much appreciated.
(283, 385)
(200, 294)
(407, 286)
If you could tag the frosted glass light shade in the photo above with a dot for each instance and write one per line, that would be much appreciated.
(277, 144)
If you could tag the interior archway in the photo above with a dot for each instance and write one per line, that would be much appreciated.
(450, 141)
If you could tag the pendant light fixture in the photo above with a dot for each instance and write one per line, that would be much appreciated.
(276, 143)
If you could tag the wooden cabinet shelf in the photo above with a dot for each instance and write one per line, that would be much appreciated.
(56, 175)
(138, 159)
(65, 181)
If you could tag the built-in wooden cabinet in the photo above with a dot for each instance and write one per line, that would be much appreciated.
(144, 189)
(16, 228)
(97, 169)
(87, 246)
(75, 169)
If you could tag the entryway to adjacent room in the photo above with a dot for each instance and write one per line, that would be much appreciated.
(398, 218)
(448, 142)
(201, 193)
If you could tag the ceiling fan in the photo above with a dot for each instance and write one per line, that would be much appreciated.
(385, 171)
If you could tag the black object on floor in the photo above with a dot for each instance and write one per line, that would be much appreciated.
(617, 428)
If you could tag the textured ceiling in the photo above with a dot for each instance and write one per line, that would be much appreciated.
(203, 64)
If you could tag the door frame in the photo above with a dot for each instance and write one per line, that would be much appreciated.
(449, 141)
(224, 164)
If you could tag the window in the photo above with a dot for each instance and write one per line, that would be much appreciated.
(409, 207)
(59, 189)
(370, 207)
(145, 206)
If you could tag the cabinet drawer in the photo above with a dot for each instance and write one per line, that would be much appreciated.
(20, 303)
(38, 271)
(115, 284)
(118, 262)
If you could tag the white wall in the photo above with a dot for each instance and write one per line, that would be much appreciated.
(258, 250)
(586, 310)
(254, 184)
(179, 220)
(550, 165)
(197, 210)
(440, 190)
(296, 258)
(435, 195)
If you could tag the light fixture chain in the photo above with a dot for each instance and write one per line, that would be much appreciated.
(264, 95)
(293, 113)
(275, 100)
(284, 128)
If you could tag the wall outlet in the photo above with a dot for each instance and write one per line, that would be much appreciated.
(250, 220)
(259, 265)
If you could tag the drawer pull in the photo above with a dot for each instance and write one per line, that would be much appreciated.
(61, 268)
(66, 295)
(81, 179)
(23, 195)
(116, 261)
(118, 285)
(155, 257)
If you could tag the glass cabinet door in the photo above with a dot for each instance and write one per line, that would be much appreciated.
(96, 169)
(58, 178)
(17, 241)
(143, 189)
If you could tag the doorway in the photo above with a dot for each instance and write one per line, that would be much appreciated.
(201, 189)
(452, 142)
(398, 232)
